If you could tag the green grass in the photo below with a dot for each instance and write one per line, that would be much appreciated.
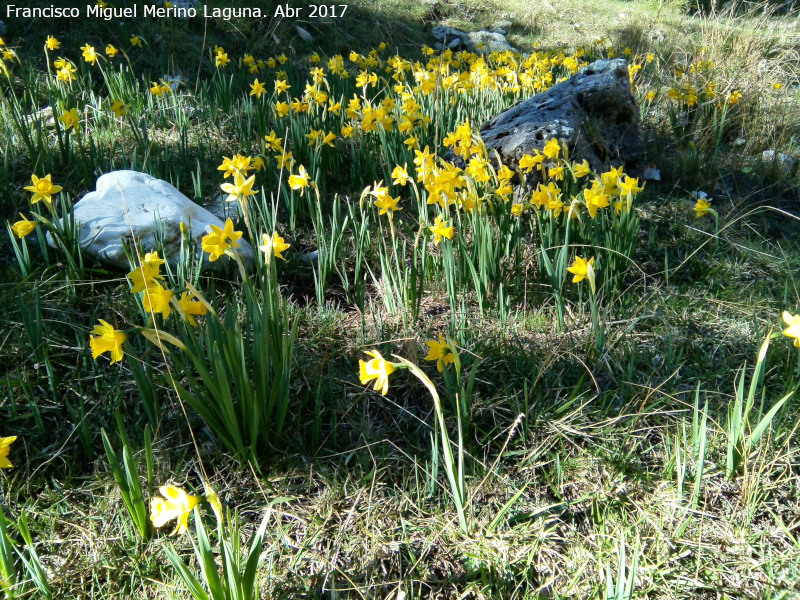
(590, 470)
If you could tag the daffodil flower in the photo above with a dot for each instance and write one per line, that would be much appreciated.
(440, 230)
(377, 369)
(156, 299)
(299, 181)
(583, 269)
(191, 308)
(220, 239)
(793, 331)
(240, 188)
(176, 504)
(441, 352)
(5, 448)
(42, 189)
(273, 245)
(107, 339)
(23, 228)
(70, 119)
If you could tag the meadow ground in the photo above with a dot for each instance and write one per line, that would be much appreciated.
(584, 390)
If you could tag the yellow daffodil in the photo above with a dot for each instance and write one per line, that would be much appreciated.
(630, 185)
(70, 119)
(52, 43)
(329, 138)
(42, 189)
(313, 136)
(217, 242)
(273, 245)
(257, 88)
(282, 108)
(24, 227)
(213, 500)
(387, 204)
(581, 169)
(111, 51)
(5, 448)
(136, 41)
(191, 308)
(347, 131)
(107, 339)
(156, 299)
(702, 207)
(273, 141)
(176, 504)
(119, 108)
(378, 369)
(734, 97)
(530, 161)
(285, 160)
(793, 331)
(441, 352)
(238, 163)
(299, 181)
(89, 54)
(595, 198)
(552, 149)
(240, 189)
(147, 274)
(66, 73)
(221, 60)
(583, 269)
(399, 175)
(440, 230)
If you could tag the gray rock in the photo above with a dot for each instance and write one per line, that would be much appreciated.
(652, 174)
(454, 44)
(501, 26)
(173, 81)
(784, 162)
(42, 117)
(304, 34)
(594, 112)
(442, 34)
(128, 201)
(476, 41)
(487, 42)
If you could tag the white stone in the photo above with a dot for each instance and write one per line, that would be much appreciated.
(785, 163)
(131, 203)
(487, 42)
(304, 34)
(652, 174)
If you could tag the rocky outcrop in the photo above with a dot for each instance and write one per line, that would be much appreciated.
(484, 42)
(594, 112)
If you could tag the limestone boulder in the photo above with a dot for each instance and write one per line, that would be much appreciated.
(594, 112)
(484, 42)
(129, 203)
(487, 42)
